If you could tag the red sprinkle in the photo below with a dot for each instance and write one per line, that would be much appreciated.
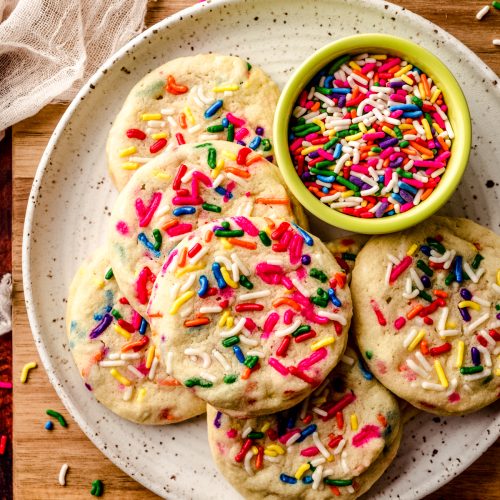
(135, 133)
(380, 316)
(249, 307)
(283, 347)
(126, 325)
(242, 156)
(436, 351)
(157, 146)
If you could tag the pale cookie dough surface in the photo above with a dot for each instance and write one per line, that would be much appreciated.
(414, 343)
(247, 355)
(159, 111)
(154, 203)
(97, 340)
(351, 456)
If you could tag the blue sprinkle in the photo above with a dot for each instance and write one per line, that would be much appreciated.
(218, 275)
(307, 237)
(142, 238)
(367, 374)
(209, 112)
(338, 151)
(255, 142)
(225, 122)
(239, 354)
(459, 275)
(187, 210)
(203, 286)
(287, 479)
(404, 107)
(328, 81)
(412, 114)
(341, 91)
(143, 326)
(397, 197)
(98, 316)
(223, 192)
(325, 190)
(390, 212)
(49, 425)
(426, 250)
(326, 178)
(476, 356)
(307, 431)
(407, 187)
(306, 260)
(335, 300)
(425, 281)
(307, 480)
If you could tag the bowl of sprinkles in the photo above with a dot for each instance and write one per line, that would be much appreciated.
(372, 134)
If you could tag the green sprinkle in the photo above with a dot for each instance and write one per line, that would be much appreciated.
(417, 101)
(319, 301)
(255, 435)
(425, 295)
(428, 117)
(212, 157)
(321, 292)
(424, 268)
(338, 482)
(251, 361)
(158, 239)
(59, 417)
(376, 149)
(230, 341)
(404, 173)
(225, 224)
(317, 171)
(266, 145)
(343, 133)
(324, 90)
(469, 370)
(301, 330)
(264, 238)
(309, 130)
(330, 144)
(301, 127)
(369, 354)
(249, 66)
(116, 314)
(496, 4)
(319, 275)
(336, 64)
(325, 164)
(450, 279)
(245, 282)
(487, 380)
(230, 133)
(215, 128)
(349, 256)
(191, 382)
(347, 183)
(109, 274)
(234, 233)
(497, 307)
(436, 245)
(398, 132)
(230, 379)
(404, 144)
(211, 208)
(97, 488)
(203, 145)
(477, 260)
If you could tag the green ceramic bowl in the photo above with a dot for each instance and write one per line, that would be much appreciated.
(458, 113)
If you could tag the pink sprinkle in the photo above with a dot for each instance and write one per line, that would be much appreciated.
(238, 122)
(288, 316)
(241, 134)
(295, 248)
(314, 358)
(301, 273)
(415, 183)
(202, 178)
(278, 366)
(246, 225)
(122, 227)
(389, 64)
(232, 433)
(187, 200)
(146, 214)
(386, 153)
(309, 452)
(454, 397)
(401, 267)
(270, 323)
(399, 323)
(136, 319)
(325, 154)
(179, 229)
(170, 258)
(428, 163)
(367, 433)
(5, 385)
(296, 144)
(141, 285)
(283, 439)
(311, 137)
(250, 324)
(406, 206)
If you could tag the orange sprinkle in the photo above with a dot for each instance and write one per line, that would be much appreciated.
(249, 245)
(170, 382)
(341, 279)
(170, 223)
(443, 143)
(424, 347)
(426, 193)
(440, 293)
(253, 159)
(420, 148)
(288, 302)
(339, 187)
(270, 222)
(394, 69)
(196, 322)
(359, 73)
(355, 92)
(335, 490)
(246, 374)
(413, 312)
(182, 120)
(273, 201)
(133, 345)
(208, 236)
(408, 151)
(382, 420)
(425, 83)
(354, 113)
(182, 257)
(238, 172)
(315, 106)
(155, 315)
(386, 163)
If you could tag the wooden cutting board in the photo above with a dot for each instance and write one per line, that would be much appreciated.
(39, 454)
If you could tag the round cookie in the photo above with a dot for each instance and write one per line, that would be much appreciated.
(251, 314)
(341, 438)
(119, 364)
(177, 192)
(192, 99)
(427, 320)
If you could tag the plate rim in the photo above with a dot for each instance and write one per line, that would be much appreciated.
(37, 332)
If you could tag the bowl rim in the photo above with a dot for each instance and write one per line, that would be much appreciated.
(458, 113)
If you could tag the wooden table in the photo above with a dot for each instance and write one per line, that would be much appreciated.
(38, 454)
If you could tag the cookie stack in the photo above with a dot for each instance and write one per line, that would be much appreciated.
(210, 294)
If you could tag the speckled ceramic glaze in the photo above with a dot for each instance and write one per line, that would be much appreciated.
(72, 195)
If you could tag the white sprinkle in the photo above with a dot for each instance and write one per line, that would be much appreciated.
(251, 342)
(331, 197)
(167, 111)
(168, 362)
(174, 290)
(393, 259)
(409, 338)
(189, 282)
(156, 124)
(217, 181)
(478, 376)
(114, 355)
(347, 360)
(233, 331)
(449, 333)
(62, 474)
(221, 359)
(416, 279)
(343, 462)
(259, 354)
(333, 316)
(253, 295)
(472, 326)
(246, 431)
(109, 363)
(439, 258)
(350, 489)
(413, 366)
(127, 393)
(496, 41)
(203, 98)
(430, 386)
(199, 255)
(447, 264)
(243, 268)
(486, 354)
(138, 159)
(298, 285)
(292, 439)
(210, 309)
(194, 128)
(235, 271)
(320, 445)
(317, 476)
(273, 460)
(423, 361)
(136, 372)
(320, 412)
(339, 447)
(186, 310)
(152, 370)
(452, 387)
(198, 353)
(495, 287)
(208, 376)
(289, 329)
(248, 467)
(442, 319)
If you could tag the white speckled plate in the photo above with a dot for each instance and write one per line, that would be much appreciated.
(72, 196)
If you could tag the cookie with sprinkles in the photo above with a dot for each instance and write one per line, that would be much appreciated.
(252, 313)
(345, 250)
(336, 442)
(177, 192)
(111, 346)
(427, 304)
(192, 99)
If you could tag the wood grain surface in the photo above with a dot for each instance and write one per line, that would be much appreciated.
(38, 454)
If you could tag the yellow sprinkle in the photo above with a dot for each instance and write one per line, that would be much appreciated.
(227, 277)
(330, 458)
(320, 124)
(372, 153)
(362, 127)
(181, 300)
(118, 329)
(403, 70)
(246, 84)
(26, 368)
(440, 373)
(276, 448)
(427, 128)
(130, 165)
(353, 65)
(159, 135)
(498, 277)
(469, 303)
(123, 380)
(270, 453)
(364, 203)
(301, 470)
(435, 95)
(162, 175)
(497, 372)
(412, 249)
(416, 340)
(218, 167)
(379, 57)
(150, 356)
(460, 354)
(354, 137)
(346, 194)
(223, 318)
(450, 325)
(140, 394)
(421, 90)
(225, 244)
(151, 116)
(407, 79)
(437, 128)
(226, 88)
(230, 321)
(348, 164)
(128, 151)
(427, 157)
(99, 283)
(255, 450)
(229, 154)
(188, 269)
(389, 131)
(405, 126)
(189, 115)
(322, 343)
(310, 149)
(265, 427)
(354, 422)
(331, 132)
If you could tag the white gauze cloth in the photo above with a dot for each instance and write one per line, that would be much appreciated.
(49, 48)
